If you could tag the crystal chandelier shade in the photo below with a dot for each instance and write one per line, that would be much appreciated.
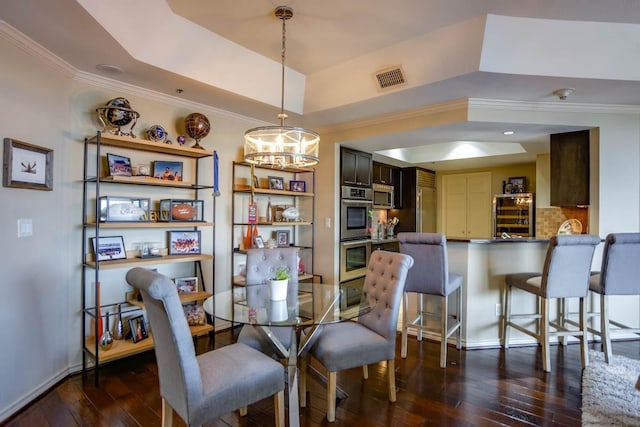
(282, 146)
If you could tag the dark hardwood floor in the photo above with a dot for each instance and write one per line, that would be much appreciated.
(478, 388)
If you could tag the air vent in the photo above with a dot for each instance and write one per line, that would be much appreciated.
(426, 179)
(390, 78)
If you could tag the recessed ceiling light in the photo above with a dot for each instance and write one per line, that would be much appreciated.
(109, 69)
(508, 132)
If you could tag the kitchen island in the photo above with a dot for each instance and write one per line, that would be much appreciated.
(484, 263)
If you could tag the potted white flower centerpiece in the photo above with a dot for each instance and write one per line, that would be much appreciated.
(278, 284)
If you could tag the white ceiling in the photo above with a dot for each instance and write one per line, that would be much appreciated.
(448, 49)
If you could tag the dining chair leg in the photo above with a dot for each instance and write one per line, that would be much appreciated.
(544, 335)
(444, 329)
(420, 302)
(459, 318)
(167, 414)
(391, 372)
(365, 372)
(506, 316)
(331, 397)
(584, 352)
(303, 381)
(605, 336)
(405, 325)
(278, 403)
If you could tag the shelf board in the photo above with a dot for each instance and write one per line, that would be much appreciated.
(155, 147)
(508, 225)
(137, 262)
(277, 223)
(247, 189)
(119, 349)
(291, 170)
(125, 348)
(142, 224)
(184, 298)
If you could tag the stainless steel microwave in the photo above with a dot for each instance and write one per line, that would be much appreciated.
(382, 196)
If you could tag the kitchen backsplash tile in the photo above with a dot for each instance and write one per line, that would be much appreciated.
(548, 220)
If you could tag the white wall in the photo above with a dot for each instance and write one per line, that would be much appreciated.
(38, 272)
(48, 103)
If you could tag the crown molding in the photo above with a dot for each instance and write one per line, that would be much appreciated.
(34, 49)
(568, 107)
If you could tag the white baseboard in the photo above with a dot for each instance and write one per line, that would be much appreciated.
(33, 394)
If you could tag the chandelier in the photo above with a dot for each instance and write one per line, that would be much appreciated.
(282, 146)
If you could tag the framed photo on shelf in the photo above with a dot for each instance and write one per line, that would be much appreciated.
(518, 184)
(108, 248)
(184, 242)
(27, 166)
(282, 238)
(118, 165)
(299, 186)
(138, 328)
(258, 242)
(186, 285)
(170, 171)
(276, 183)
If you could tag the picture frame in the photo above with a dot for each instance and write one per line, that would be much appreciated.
(138, 328)
(186, 285)
(169, 171)
(298, 186)
(27, 166)
(184, 242)
(518, 184)
(258, 242)
(276, 183)
(118, 165)
(282, 238)
(108, 248)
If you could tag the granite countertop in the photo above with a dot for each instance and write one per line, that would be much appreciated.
(381, 241)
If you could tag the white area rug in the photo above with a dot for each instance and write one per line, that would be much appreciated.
(609, 394)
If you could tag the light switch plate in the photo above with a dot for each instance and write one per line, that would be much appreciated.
(25, 227)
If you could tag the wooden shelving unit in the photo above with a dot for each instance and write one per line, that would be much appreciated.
(94, 181)
(514, 214)
(300, 231)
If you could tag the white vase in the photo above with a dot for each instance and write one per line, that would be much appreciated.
(278, 311)
(278, 289)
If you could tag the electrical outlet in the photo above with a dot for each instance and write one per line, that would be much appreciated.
(498, 309)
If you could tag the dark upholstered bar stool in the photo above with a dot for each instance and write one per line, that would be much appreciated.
(619, 275)
(430, 277)
(565, 274)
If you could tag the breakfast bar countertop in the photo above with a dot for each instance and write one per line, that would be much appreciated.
(499, 240)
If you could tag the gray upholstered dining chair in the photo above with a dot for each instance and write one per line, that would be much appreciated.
(372, 338)
(201, 388)
(619, 275)
(565, 274)
(430, 276)
(261, 265)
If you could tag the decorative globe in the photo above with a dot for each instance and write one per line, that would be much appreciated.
(118, 112)
(181, 139)
(197, 126)
(156, 133)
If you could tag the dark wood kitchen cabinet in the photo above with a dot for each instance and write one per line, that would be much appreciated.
(355, 167)
(382, 173)
(570, 168)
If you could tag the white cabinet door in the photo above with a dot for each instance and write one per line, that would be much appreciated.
(467, 205)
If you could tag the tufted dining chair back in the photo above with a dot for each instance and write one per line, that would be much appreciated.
(261, 266)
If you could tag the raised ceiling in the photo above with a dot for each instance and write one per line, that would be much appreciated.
(226, 53)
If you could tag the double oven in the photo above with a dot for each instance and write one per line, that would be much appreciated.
(355, 242)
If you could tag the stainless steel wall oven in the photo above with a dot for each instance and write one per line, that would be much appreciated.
(354, 256)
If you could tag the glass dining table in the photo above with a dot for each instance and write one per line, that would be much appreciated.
(307, 307)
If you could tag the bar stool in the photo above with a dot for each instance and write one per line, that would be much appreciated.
(565, 274)
(619, 275)
(430, 276)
